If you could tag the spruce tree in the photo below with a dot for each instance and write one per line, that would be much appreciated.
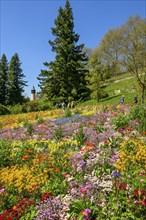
(3, 78)
(65, 78)
(15, 82)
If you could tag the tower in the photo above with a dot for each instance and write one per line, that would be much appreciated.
(33, 93)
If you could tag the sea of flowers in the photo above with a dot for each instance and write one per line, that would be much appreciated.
(91, 165)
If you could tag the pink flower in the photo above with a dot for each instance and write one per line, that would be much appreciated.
(88, 187)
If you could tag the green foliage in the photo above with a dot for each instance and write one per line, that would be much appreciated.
(80, 136)
(29, 214)
(15, 82)
(65, 78)
(4, 110)
(96, 78)
(44, 104)
(29, 127)
(37, 105)
(40, 120)
(120, 121)
(3, 78)
(78, 207)
(23, 119)
(5, 152)
(67, 112)
(139, 113)
(16, 109)
(123, 50)
(58, 135)
(32, 106)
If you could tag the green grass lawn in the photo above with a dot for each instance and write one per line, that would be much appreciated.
(126, 85)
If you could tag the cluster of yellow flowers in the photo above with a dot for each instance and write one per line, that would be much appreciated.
(132, 153)
(36, 166)
(62, 145)
(23, 177)
(10, 121)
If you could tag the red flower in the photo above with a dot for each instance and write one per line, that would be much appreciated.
(45, 196)
(106, 142)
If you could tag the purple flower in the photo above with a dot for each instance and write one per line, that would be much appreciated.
(115, 156)
(115, 174)
(82, 163)
(87, 211)
(73, 183)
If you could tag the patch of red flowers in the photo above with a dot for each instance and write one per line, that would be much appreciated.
(46, 195)
(16, 211)
(140, 196)
(120, 185)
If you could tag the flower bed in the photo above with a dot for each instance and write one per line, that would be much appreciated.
(92, 167)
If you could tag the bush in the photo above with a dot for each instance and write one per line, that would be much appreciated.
(37, 105)
(45, 105)
(31, 106)
(16, 109)
(4, 110)
(67, 112)
(139, 112)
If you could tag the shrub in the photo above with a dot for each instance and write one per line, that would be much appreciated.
(16, 109)
(67, 112)
(37, 105)
(120, 121)
(4, 110)
(139, 112)
(32, 106)
(45, 105)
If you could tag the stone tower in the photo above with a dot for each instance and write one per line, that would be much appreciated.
(33, 94)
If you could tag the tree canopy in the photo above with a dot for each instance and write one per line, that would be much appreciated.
(124, 50)
(11, 81)
(65, 77)
(3, 79)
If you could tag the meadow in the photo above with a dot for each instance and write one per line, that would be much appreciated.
(80, 164)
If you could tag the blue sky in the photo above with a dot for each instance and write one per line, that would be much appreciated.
(25, 28)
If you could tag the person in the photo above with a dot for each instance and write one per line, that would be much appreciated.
(135, 100)
(121, 100)
(57, 106)
(72, 104)
(63, 105)
(69, 105)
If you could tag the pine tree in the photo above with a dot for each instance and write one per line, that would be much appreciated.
(3, 78)
(65, 78)
(15, 82)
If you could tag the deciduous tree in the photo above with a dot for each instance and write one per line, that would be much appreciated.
(133, 50)
(96, 78)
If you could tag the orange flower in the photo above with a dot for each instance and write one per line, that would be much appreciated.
(57, 170)
(87, 148)
(25, 156)
(144, 132)
(28, 151)
(129, 129)
(14, 207)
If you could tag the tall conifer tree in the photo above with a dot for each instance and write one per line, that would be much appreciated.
(15, 82)
(65, 77)
(3, 78)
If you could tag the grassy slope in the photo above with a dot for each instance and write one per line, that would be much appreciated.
(127, 86)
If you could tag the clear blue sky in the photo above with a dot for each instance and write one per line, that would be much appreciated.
(25, 28)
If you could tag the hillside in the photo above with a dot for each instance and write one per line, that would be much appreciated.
(116, 87)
